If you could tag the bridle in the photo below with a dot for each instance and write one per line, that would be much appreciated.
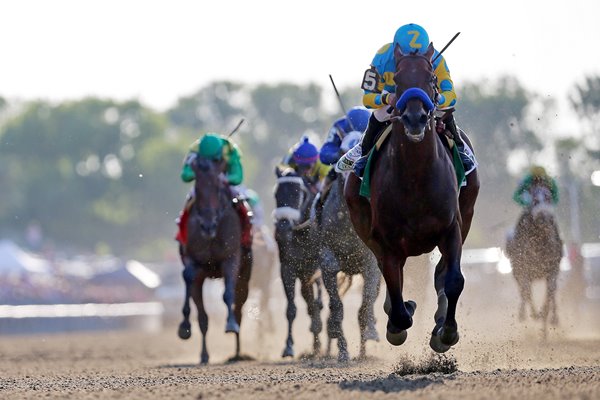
(293, 215)
(415, 92)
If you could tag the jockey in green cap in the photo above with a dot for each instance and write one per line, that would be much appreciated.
(216, 147)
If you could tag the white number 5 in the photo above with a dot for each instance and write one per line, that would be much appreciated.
(370, 79)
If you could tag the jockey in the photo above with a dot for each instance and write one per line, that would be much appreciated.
(536, 176)
(356, 120)
(380, 95)
(216, 147)
(303, 157)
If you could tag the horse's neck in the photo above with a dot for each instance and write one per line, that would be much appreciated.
(418, 156)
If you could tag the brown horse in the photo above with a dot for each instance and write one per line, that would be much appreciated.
(214, 251)
(415, 204)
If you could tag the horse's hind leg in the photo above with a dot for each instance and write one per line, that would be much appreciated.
(315, 313)
(336, 310)
(196, 294)
(241, 292)
(289, 286)
(366, 314)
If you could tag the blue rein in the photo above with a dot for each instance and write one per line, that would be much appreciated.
(413, 93)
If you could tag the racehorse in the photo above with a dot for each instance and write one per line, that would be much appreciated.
(535, 251)
(214, 250)
(345, 252)
(415, 203)
(298, 252)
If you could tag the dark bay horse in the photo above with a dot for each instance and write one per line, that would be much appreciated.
(535, 251)
(415, 204)
(298, 252)
(214, 251)
(345, 252)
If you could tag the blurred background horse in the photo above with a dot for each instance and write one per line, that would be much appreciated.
(535, 251)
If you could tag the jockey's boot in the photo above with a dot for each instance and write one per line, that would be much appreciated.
(453, 129)
(373, 128)
(466, 154)
(356, 158)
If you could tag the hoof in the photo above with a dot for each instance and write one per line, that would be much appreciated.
(396, 339)
(288, 352)
(185, 331)
(436, 344)
(343, 357)
(232, 327)
(443, 339)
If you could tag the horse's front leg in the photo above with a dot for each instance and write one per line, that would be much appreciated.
(449, 283)
(316, 326)
(289, 286)
(196, 293)
(399, 313)
(185, 328)
(231, 270)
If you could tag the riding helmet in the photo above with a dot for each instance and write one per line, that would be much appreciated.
(412, 39)
(211, 147)
(305, 153)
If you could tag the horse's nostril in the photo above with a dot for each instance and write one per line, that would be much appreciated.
(405, 119)
(423, 119)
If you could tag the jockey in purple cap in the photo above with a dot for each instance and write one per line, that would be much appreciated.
(303, 157)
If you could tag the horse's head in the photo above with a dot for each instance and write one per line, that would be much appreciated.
(415, 90)
(541, 203)
(291, 201)
(210, 195)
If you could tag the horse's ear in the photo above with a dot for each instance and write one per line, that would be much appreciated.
(398, 52)
(430, 51)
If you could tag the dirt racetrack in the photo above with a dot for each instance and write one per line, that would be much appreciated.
(497, 357)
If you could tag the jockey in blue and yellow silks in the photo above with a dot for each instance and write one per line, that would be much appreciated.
(380, 94)
(215, 147)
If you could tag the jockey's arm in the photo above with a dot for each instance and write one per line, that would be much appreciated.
(554, 191)
(522, 195)
(235, 172)
(447, 96)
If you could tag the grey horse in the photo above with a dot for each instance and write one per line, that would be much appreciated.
(345, 252)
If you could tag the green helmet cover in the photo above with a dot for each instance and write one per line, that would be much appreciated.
(211, 147)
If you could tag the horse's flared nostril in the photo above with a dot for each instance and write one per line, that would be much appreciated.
(423, 119)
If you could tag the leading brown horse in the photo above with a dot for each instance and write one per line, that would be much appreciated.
(416, 203)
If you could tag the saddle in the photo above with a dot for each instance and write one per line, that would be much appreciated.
(459, 168)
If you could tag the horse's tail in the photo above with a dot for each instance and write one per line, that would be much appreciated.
(344, 282)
